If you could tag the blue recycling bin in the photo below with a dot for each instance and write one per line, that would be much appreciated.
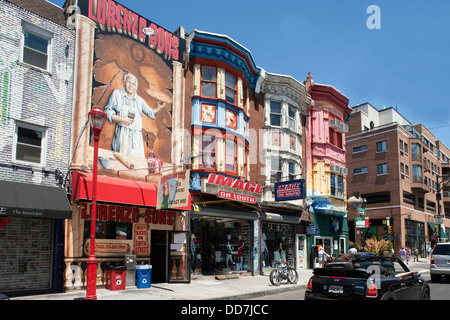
(143, 276)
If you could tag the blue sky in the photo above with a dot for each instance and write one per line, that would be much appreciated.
(405, 64)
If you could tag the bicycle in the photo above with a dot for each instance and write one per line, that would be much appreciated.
(283, 272)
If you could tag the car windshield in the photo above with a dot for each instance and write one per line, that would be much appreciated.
(442, 249)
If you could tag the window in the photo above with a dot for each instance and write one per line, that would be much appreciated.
(337, 186)
(110, 230)
(359, 149)
(378, 197)
(208, 152)
(415, 151)
(417, 173)
(291, 170)
(36, 46)
(230, 156)
(291, 115)
(209, 81)
(382, 168)
(335, 138)
(29, 144)
(360, 170)
(381, 146)
(409, 198)
(275, 169)
(230, 88)
(275, 113)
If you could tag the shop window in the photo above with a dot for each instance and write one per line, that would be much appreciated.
(110, 230)
(277, 244)
(36, 46)
(275, 113)
(208, 152)
(230, 88)
(209, 81)
(230, 156)
(29, 144)
(337, 186)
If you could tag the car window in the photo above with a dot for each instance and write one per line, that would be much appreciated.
(442, 250)
(390, 266)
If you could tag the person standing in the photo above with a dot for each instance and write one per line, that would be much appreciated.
(408, 254)
(323, 256)
(403, 254)
(416, 254)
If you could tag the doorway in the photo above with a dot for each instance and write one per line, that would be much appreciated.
(158, 256)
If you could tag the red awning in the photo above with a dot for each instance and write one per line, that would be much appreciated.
(116, 190)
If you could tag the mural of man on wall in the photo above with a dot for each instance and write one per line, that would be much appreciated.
(125, 107)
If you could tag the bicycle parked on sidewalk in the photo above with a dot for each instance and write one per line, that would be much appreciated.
(283, 272)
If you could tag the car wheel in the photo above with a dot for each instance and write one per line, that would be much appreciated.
(426, 295)
(436, 277)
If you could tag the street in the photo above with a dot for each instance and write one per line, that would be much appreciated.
(439, 291)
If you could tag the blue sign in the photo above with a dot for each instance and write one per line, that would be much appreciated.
(289, 190)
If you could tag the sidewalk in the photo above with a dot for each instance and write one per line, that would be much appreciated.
(208, 288)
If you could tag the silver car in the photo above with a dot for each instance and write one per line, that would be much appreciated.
(440, 262)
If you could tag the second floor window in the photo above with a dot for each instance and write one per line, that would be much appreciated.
(337, 186)
(208, 152)
(209, 82)
(230, 156)
(36, 46)
(275, 170)
(29, 144)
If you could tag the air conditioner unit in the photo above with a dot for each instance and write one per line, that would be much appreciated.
(334, 123)
(344, 171)
(343, 128)
(335, 168)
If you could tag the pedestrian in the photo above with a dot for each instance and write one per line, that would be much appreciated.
(416, 254)
(408, 254)
(323, 256)
(352, 250)
(429, 251)
(403, 254)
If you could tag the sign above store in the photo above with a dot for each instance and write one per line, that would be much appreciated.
(289, 190)
(232, 188)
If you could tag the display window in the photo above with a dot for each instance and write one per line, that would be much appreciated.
(277, 244)
(219, 246)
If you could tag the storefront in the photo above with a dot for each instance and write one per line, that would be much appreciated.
(31, 237)
(128, 223)
(222, 241)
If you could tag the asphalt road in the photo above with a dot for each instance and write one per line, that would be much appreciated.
(439, 291)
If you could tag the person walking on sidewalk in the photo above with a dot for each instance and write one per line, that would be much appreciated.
(403, 254)
(416, 254)
(408, 254)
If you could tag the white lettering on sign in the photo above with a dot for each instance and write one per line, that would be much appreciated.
(233, 183)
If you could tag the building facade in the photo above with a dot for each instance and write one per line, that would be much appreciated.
(397, 167)
(326, 162)
(284, 219)
(36, 67)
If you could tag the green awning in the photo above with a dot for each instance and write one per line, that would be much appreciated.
(443, 235)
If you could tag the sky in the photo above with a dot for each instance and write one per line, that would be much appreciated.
(403, 63)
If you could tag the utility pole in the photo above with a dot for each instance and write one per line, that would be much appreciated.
(439, 216)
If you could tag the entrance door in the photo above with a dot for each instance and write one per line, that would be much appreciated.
(158, 255)
(179, 257)
(301, 251)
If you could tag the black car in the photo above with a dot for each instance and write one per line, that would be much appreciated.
(366, 276)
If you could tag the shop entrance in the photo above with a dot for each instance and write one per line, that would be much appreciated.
(158, 256)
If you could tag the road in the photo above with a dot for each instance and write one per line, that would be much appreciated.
(439, 291)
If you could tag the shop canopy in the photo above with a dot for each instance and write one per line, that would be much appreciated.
(33, 201)
(116, 190)
(443, 235)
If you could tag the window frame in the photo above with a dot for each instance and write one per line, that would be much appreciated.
(231, 156)
(337, 184)
(230, 89)
(16, 143)
(278, 115)
(205, 149)
(41, 33)
(382, 143)
(382, 165)
(208, 81)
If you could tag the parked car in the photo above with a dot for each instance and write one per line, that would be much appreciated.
(440, 262)
(363, 276)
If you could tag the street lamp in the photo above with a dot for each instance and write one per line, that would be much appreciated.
(97, 119)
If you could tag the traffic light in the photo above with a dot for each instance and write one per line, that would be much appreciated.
(435, 228)
(389, 229)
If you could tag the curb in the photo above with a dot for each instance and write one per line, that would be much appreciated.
(257, 294)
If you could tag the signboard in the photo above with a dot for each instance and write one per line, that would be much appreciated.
(289, 190)
(362, 222)
(173, 190)
(232, 188)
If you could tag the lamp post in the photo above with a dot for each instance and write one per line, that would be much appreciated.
(97, 119)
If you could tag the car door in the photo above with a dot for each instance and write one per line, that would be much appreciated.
(411, 287)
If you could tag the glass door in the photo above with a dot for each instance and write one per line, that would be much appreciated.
(179, 257)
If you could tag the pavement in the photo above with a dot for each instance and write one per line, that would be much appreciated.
(204, 288)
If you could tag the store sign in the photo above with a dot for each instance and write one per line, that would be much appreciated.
(236, 196)
(362, 222)
(173, 190)
(117, 213)
(289, 190)
(232, 188)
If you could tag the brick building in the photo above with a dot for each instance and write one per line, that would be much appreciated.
(36, 68)
(397, 167)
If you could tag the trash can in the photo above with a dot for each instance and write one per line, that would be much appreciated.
(143, 276)
(116, 277)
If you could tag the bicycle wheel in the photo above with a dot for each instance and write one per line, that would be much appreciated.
(275, 277)
(292, 276)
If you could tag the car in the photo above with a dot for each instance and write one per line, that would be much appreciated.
(358, 276)
(440, 262)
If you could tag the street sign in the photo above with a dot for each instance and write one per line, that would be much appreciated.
(362, 222)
